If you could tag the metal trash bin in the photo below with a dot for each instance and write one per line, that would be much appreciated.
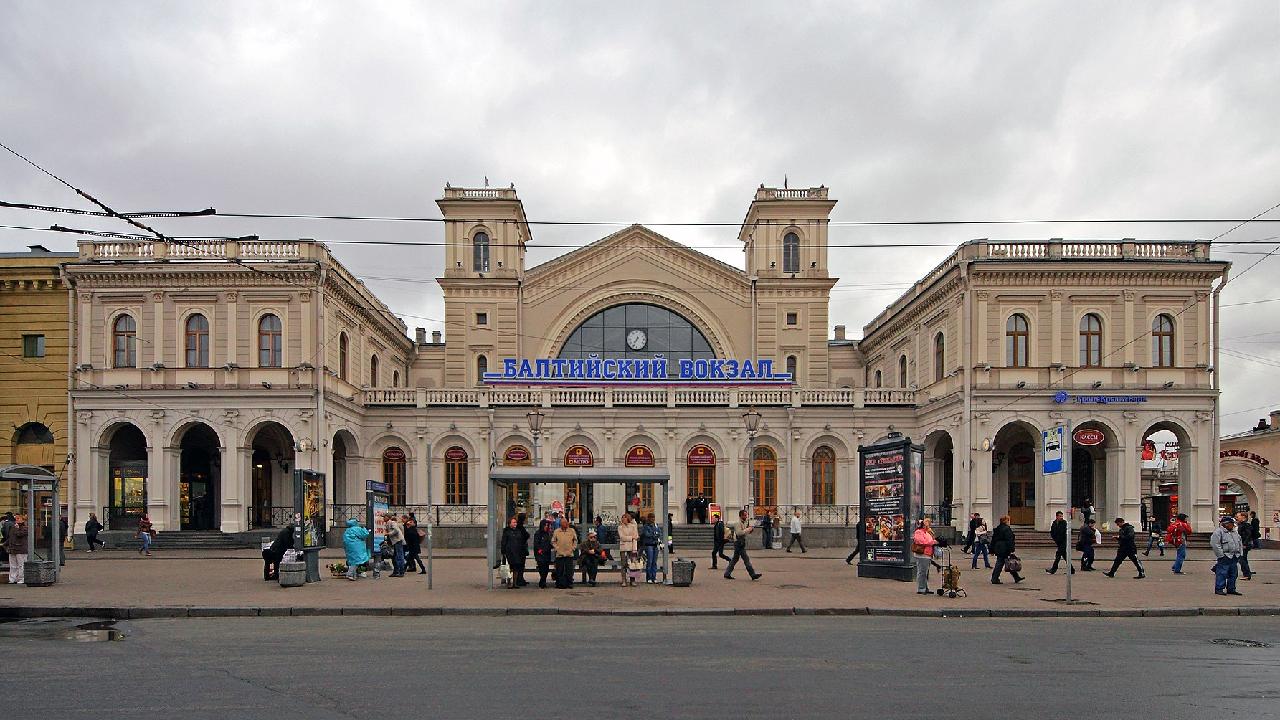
(293, 574)
(682, 572)
(39, 573)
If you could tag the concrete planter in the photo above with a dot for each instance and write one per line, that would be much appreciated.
(293, 574)
(39, 573)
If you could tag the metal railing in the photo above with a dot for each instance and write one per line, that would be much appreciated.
(836, 515)
(475, 515)
(939, 514)
(663, 396)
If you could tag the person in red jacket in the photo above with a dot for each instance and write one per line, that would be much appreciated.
(1176, 536)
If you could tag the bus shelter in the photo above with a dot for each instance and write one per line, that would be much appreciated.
(501, 479)
(33, 480)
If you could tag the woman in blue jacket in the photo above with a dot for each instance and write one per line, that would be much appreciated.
(650, 538)
(355, 540)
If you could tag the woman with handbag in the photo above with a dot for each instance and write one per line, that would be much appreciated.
(542, 551)
(515, 548)
(628, 543)
(146, 533)
(1002, 546)
(922, 545)
(413, 536)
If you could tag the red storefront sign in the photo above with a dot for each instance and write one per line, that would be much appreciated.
(639, 456)
(517, 455)
(578, 456)
(455, 453)
(702, 455)
(1089, 436)
(393, 454)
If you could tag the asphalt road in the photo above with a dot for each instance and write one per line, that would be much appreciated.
(564, 667)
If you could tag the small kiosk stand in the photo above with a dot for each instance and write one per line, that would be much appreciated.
(34, 480)
(309, 519)
(891, 484)
(377, 502)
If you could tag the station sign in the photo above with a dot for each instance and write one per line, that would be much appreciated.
(1053, 440)
(578, 456)
(657, 370)
(1062, 397)
(639, 456)
(701, 455)
(1244, 455)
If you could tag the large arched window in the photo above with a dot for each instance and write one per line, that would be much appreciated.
(395, 378)
(939, 357)
(455, 476)
(637, 330)
(482, 367)
(764, 466)
(343, 349)
(480, 252)
(1091, 341)
(824, 476)
(1016, 334)
(701, 467)
(791, 367)
(879, 379)
(902, 371)
(124, 342)
(33, 445)
(269, 341)
(197, 341)
(373, 371)
(1162, 341)
(393, 474)
(791, 253)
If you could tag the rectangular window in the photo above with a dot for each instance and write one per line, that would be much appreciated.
(793, 318)
(33, 346)
(482, 318)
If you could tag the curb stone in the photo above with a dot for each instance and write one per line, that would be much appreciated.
(415, 611)
(314, 611)
(222, 612)
(137, 613)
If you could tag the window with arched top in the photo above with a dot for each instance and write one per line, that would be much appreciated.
(270, 342)
(792, 364)
(197, 341)
(393, 474)
(791, 253)
(1162, 341)
(1091, 341)
(373, 371)
(902, 371)
(1017, 332)
(395, 378)
(939, 357)
(480, 252)
(764, 465)
(824, 476)
(344, 347)
(482, 367)
(455, 476)
(879, 379)
(124, 342)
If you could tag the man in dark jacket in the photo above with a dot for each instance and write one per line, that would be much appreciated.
(1058, 531)
(1246, 539)
(766, 531)
(1126, 549)
(542, 551)
(974, 521)
(717, 542)
(859, 537)
(515, 549)
(690, 509)
(1085, 545)
(1002, 546)
(272, 556)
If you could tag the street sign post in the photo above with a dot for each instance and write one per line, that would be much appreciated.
(1057, 459)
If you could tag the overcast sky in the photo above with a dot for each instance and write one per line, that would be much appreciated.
(669, 113)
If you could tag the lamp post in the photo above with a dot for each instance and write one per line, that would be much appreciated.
(535, 418)
(751, 420)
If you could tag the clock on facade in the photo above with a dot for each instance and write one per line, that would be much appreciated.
(637, 339)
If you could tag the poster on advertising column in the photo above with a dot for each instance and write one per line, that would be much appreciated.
(890, 488)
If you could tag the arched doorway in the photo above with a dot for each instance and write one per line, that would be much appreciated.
(339, 469)
(519, 495)
(1093, 447)
(127, 470)
(1015, 475)
(939, 484)
(1165, 462)
(271, 464)
(700, 464)
(199, 468)
(764, 468)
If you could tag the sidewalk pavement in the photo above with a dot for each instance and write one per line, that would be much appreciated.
(123, 584)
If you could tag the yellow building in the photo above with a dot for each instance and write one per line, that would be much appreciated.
(33, 365)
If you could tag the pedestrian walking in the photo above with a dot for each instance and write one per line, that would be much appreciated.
(355, 543)
(1155, 536)
(515, 549)
(974, 521)
(591, 554)
(1058, 531)
(982, 545)
(1176, 536)
(15, 544)
(718, 537)
(741, 529)
(1087, 510)
(542, 551)
(1255, 529)
(922, 544)
(395, 538)
(273, 555)
(1126, 549)
(859, 536)
(1245, 531)
(413, 537)
(766, 530)
(91, 529)
(650, 537)
(146, 533)
(1088, 539)
(1228, 548)
(1003, 544)
(564, 542)
(796, 529)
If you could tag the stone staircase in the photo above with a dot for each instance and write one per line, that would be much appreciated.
(201, 540)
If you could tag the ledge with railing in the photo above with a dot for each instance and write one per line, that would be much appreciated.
(624, 396)
(830, 515)
(442, 515)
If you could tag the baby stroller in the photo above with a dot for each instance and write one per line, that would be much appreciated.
(950, 577)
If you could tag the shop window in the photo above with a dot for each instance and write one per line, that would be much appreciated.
(455, 476)
(791, 253)
(1016, 334)
(1090, 341)
(124, 342)
(33, 346)
(269, 341)
(197, 335)
(1162, 341)
(480, 252)
(393, 474)
(824, 476)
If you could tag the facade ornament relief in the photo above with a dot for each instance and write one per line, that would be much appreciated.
(1130, 296)
(84, 417)
(232, 296)
(1130, 416)
(157, 297)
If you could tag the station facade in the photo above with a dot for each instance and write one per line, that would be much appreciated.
(206, 372)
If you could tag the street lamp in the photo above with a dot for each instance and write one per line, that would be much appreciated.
(535, 417)
(751, 419)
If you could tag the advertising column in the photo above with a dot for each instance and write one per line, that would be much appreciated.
(890, 488)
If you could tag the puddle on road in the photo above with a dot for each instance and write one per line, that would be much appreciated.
(68, 629)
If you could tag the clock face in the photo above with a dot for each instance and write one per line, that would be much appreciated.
(637, 339)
